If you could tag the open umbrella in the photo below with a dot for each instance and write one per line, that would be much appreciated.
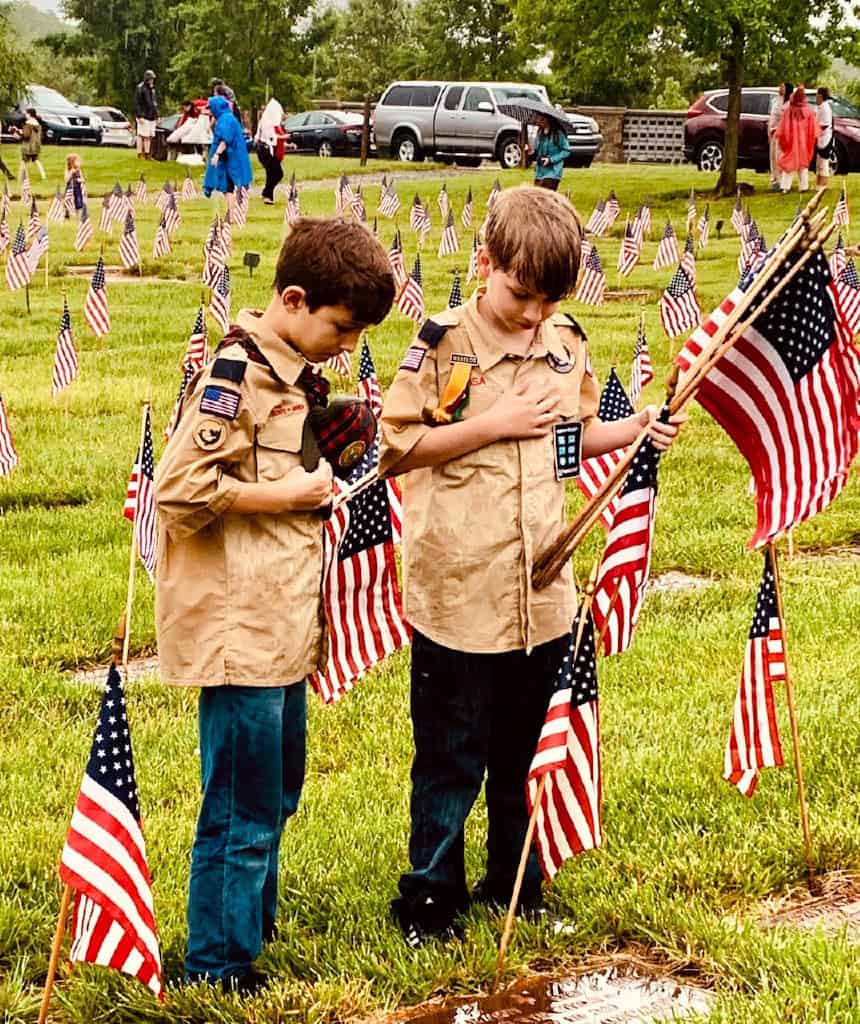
(528, 111)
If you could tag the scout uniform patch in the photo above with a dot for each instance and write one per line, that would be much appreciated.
(219, 401)
(567, 449)
(414, 358)
(455, 397)
(210, 434)
(558, 364)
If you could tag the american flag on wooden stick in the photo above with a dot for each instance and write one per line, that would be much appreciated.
(8, 453)
(419, 218)
(84, 234)
(357, 204)
(848, 292)
(5, 202)
(787, 393)
(214, 254)
(161, 243)
(688, 257)
(704, 226)
(642, 373)
(241, 206)
(614, 405)
(197, 351)
(57, 209)
(679, 307)
(613, 209)
(66, 356)
(395, 259)
(568, 756)
(118, 204)
(472, 272)
(226, 230)
(69, 197)
(162, 196)
(189, 189)
(139, 505)
(628, 254)
(455, 297)
(645, 217)
(627, 556)
(140, 191)
(368, 382)
(104, 857)
(754, 738)
(443, 201)
(390, 202)
(840, 212)
(592, 284)
(129, 247)
(106, 218)
(4, 233)
(737, 217)
(598, 222)
(449, 243)
(838, 259)
(96, 305)
(26, 191)
(170, 213)
(466, 214)
(691, 210)
(34, 223)
(293, 209)
(18, 272)
(667, 250)
(38, 249)
(219, 301)
(410, 302)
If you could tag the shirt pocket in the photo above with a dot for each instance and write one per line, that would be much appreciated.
(279, 445)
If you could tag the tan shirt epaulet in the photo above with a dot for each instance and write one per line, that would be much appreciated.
(566, 320)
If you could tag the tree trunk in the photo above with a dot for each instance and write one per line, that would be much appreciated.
(734, 60)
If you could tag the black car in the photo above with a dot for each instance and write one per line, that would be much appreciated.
(325, 132)
(61, 120)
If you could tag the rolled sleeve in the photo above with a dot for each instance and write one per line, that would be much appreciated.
(411, 398)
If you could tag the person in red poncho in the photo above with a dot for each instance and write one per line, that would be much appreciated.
(797, 133)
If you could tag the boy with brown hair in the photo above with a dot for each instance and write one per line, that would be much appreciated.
(238, 608)
(484, 417)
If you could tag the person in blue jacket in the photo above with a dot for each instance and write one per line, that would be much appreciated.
(228, 165)
(551, 150)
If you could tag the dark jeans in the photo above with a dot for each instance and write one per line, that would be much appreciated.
(252, 752)
(550, 183)
(5, 170)
(274, 172)
(471, 714)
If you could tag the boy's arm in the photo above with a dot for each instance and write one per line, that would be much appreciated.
(598, 437)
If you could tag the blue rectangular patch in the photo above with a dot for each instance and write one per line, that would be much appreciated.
(567, 448)
(218, 401)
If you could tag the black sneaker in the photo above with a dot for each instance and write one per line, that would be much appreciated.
(247, 984)
(529, 904)
(422, 921)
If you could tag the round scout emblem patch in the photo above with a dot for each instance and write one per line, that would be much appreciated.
(351, 454)
(210, 434)
(560, 365)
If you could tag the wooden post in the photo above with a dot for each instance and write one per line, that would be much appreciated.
(792, 715)
(585, 610)
(129, 598)
(365, 132)
(55, 953)
(524, 146)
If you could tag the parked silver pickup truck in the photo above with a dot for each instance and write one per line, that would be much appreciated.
(460, 121)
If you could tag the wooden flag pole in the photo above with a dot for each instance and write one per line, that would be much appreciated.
(792, 715)
(65, 903)
(129, 598)
(530, 831)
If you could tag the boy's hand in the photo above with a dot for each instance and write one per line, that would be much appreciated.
(662, 434)
(303, 491)
(527, 410)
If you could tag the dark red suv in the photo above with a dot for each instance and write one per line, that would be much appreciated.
(705, 130)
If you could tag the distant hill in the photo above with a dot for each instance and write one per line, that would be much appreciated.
(29, 22)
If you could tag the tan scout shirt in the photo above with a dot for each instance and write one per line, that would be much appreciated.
(237, 596)
(473, 526)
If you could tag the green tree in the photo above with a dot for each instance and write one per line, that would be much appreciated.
(374, 42)
(14, 65)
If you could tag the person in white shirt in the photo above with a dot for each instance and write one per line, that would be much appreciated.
(777, 104)
(824, 148)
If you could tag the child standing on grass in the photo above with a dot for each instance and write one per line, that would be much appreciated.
(469, 418)
(238, 610)
(31, 143)
(75, 175)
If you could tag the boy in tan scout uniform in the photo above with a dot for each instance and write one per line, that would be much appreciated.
(239, 567)
(483, 417)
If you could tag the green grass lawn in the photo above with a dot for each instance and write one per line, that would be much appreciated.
(686, 859)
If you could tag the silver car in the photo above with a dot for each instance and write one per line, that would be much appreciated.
(460, 121)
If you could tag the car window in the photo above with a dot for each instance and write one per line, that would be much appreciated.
(40, 96)
(842, 108)
(755, 103)
(317, 119)
(452, 97)
(296, 121)
(424, 95)
(516, 92)
(477, 94)
(398, 96)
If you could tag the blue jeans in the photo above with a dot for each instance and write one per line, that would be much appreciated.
(252, 753)
(473, 714)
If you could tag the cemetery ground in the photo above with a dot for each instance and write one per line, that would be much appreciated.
(687, 863)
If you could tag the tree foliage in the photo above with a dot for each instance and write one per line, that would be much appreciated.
(14, 65)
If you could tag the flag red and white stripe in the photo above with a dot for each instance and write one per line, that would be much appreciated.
(642, 373)
(66, 356)
(667, 250)
(219, 301)
(679, 307)
(129, 248)
(614, 405)
(84, 234)
(8, 453)
(592, 284)
(449, 243)
(139, 505)
(96, 311)
(18, 271)
(410, 302)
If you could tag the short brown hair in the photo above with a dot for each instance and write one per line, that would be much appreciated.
(536, 235)
(338, 263)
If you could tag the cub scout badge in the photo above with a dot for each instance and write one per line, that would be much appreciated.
(560, 365)
(455, 397)
(210, 434)
(567, 448)
(218, 401)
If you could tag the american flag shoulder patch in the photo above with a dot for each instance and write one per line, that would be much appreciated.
(218, 401)
(414, 358)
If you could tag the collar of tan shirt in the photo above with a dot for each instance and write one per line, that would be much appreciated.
(286, 363)
(490, 345)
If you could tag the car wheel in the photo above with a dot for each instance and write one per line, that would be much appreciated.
(405, 148)
(709, 156)
(325, 149)
(510, 153)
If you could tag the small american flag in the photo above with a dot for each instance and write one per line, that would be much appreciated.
(57, 209)
(645, 217)
(197, 351)
(838, 260)
(455, 298)
(361, 596)
(219, 302)
(214, 256)
(34, 224)
(704, 226)
(466, 215)
(628, 254)
(754, 738)
(162, 196)
(171, 217)
(598, 222)
(69, 197)
(341, 364)
(390, 202)
(568, 756)
(241, 206)
(227, 230)
(679, 307)
(627, 556)
(38, 249)
(161, 243)
(395, 259)
(750, 246)
(140, 191)
(4, 233)
(410, 302)
(293, 210)
(84, 234)
(840, 214)
(104, 857)
(419, 218)
(691, 210)
(848, 292)
(187, 373)
(66, 356)
(96, 305)
(638, 229)
(613, 208)
(495, 192)
(614, 405)
(5, 202)
(8, 454)
(642, 372)
(26, 191)
(688, 257)
(667, 250)
(343, 194)
(189, 189)
(368, 382)
(18, 271)
(106, 218)
(472, 272)
(449, 243)
(787, 393)
(129, 248)
(443, 201)
(737, 218)
(356, 204)
(139, 504)
(118, 204)
(592, 284)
